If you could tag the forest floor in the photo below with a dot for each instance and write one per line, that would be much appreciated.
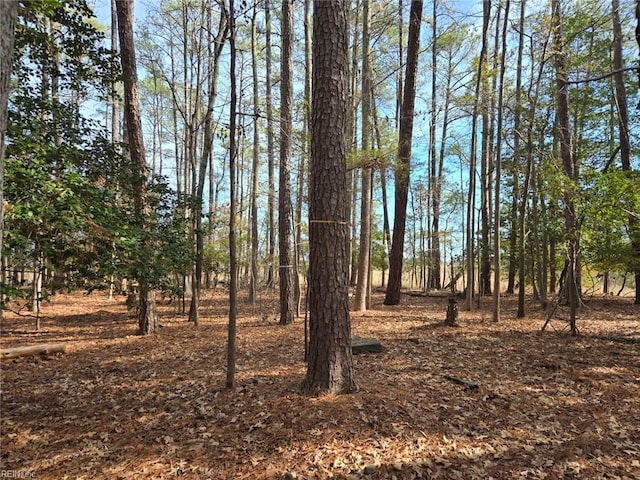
(121, 406)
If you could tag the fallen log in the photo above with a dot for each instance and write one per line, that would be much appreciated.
(44, 349)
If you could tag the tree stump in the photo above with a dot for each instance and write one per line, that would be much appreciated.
(365, 345)
(452, 313)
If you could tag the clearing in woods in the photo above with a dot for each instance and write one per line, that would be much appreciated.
(119, 406)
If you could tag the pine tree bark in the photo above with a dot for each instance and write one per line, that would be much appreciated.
(330, 366)
(255, 162)
(403, 165)
(271, 195)
(498, 172)
(470, 227)
(233, 254)
(434, 280)
(490, 142)
(284, 198)
(147, 315)
(623, 125)
(364, 258)
(8, 15)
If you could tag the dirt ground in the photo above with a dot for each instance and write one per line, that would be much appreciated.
(120, 406)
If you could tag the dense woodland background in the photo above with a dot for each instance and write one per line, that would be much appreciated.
(489, 185)
(362, 165)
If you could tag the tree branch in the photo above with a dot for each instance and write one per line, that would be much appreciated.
(602, 77)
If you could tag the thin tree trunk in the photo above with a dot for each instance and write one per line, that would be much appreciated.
(566, 153)
(233, 254)
(498, 173)
(530, 178)
(308, 42)
(215, 51)
(623, 127)
(115, 113)
(255, 163)
(284, 199)
(434, 280)
(400, 79)
(489, 112)
(386, 231)
(437, 194)
(271, 197)
(352, 130)
(364, 258)
(470, 228)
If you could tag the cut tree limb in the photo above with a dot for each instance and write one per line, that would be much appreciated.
(463, 381)
(33, 350)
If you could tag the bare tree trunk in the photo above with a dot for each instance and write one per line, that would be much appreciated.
(253, 280)
(566, 153)
(215, 44)
(352, 129)
(364, 259)
(487, 177)
(233, 254)
(437, 194)
(498, 173)
(515, 226)
(470, 228)
(400, 79)
(386, 231)
(303, 180)
(115, 111)
(623, 127)
(284, 199)
(271, 200)
(638, 42)
(8, 15)
(330, 366)
(403, 165)
(147, 315)
(434, 277)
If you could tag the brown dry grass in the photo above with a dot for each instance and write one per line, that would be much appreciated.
(121, 406)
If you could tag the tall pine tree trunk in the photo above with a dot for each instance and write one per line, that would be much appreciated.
(498, 172)
(434, 280)
(623, 127)
(364, 259)
(271, 195)
(147, 315)
(233, 205)
(403, 163)
(8, 15)
(330, 366)
(284, 198)
(470, 227)
(255, 158)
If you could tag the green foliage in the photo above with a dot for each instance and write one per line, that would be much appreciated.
(216, 258)
(379, 257)
(609, 226)
(68, 189)
(167, 226)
